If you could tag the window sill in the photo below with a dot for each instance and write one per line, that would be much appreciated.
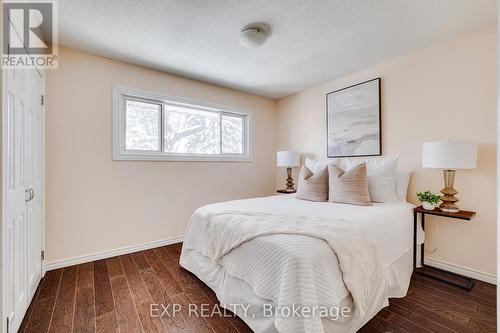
(157, 158)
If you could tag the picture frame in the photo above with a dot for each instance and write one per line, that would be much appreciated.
(353, 120)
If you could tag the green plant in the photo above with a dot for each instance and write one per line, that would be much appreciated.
(429, 197)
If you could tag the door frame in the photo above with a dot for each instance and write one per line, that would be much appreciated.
(4, 183)
(42, 181)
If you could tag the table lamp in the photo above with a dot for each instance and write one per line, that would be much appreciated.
(449, 156)
(288, 159)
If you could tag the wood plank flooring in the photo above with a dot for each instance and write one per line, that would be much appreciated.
(114, 295)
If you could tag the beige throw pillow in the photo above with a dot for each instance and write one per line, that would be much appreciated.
(382, 177)
(313, 186)
(350, 187)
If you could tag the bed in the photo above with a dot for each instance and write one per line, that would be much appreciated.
(263, 272)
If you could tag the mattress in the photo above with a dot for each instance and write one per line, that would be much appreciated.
(389, 227)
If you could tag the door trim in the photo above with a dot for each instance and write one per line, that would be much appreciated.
(42, 184)
(4, 198)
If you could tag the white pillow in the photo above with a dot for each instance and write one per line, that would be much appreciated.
(315, 165)
(382, 177)
(403, 179)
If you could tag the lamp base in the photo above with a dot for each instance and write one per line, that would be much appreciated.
(449, 210)
(289, 181)
(449, 193)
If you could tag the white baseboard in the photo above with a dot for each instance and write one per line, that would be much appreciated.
(475, 274)
(478, 275)
(110, 253)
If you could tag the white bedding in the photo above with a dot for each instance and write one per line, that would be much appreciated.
(388, 226)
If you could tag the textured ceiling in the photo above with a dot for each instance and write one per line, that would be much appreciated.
(311, 42)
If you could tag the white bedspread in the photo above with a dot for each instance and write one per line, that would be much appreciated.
(359, 263)
(387, 226)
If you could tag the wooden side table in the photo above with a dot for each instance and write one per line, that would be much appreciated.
(285, 191)
(442, 275)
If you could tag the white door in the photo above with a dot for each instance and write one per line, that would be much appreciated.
(22, 191)
(34, 178)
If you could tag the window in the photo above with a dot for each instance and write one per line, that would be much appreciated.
(148, 126)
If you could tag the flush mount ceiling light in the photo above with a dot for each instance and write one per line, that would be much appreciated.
(253, 36)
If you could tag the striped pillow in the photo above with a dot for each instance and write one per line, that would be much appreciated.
(313, 186)
(382, 177)
(349, 187)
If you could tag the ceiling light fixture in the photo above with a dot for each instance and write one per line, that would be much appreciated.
(253, 36)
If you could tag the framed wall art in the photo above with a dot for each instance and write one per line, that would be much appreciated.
(353, 120)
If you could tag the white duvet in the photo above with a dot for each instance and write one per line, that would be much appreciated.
(317, 275)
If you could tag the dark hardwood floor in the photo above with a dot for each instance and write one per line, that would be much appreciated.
(114, 295)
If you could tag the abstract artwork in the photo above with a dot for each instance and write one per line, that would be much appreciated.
(353, 120)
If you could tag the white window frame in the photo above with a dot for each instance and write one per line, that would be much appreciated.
(122, 93)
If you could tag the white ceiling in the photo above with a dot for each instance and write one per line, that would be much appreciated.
(311, 42)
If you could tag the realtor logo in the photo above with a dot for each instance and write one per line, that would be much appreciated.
(29, 34)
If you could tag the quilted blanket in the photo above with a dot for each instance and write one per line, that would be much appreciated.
(300, 283)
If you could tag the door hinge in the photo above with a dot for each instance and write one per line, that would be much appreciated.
(43, 99)
(43, 255)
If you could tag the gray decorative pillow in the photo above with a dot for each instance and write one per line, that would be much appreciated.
(349, 187)
(313, 186)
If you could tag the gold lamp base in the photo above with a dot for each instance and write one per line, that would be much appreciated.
(448, 198)
(289, 181)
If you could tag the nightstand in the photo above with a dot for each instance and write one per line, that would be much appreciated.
(433, 272)
(285, 191)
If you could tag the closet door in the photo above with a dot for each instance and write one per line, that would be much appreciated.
(22, 172)
(15, 258)
(34, 182)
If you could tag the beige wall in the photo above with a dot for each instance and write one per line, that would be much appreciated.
(96, 204)
(447, 91)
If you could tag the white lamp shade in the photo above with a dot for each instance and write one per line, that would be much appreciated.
(288, 158)
(450, 155)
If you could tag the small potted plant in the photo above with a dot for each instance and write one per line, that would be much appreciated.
(428, 199)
